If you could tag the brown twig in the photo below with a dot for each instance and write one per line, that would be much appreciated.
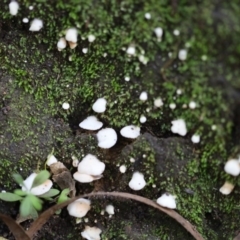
(43, 218)
(17, 231)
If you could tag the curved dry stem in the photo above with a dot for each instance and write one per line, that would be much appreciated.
(43, 218)
(17, 231)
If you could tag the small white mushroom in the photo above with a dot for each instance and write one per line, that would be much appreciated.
(192, 105)
(51, 159)
(109, 209)
(137, 182)
(143, 96)
(123, 168)
(232, 167)
(159, 32)
(143, 119)
(65, 106)
(85, 178)
(158, 102)
(79, 208)
(91, 165)
(130, 131)
(13, 8)
(25, 20)
(71, 35)
(179, 127)
(131, 50)
(176, 32)
(85, 50)
(91, 233)
(100, 105)
(72, 45)
(107, 138)
(43, 188)
(148, 16)
(167, 200)
(91, 123)
(182, 54)
(36, 25)
(91, 38)
(226, 188)
(195, 138)
(62, 43)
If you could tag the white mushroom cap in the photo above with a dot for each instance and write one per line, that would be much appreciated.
(159, 32)
(130, 131)
(85, 178)
(28, 182)
(43, 188)
(91, 165)
(38, 190)
(143, 119)
(71, 35)
(179, 127)
(143, 96)
(79, 208)
(158, 102)
(131, 50)
(91, 233)
(91, 38)
(137, 182)
(62, 43)
(107, 138)
(167, 200)
(195, 138)
(13, 7)
(51, 159)
(65, 106)
(36, 25)
(100, 105)
(123, 168)
(110, 209)
(91, 123)
(182, 54)
(226, 188)
(232, 167)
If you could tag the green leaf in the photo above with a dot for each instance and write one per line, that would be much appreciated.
(41, 178)
(63, 196)
(19, 192)
(10, 197)
(36, 202)
(50, 193)
(26, 207)
(18, 178)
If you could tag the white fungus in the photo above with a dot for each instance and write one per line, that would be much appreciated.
(91, 38)
(195, 138)
(159, 32)
(179, 127)
(143, 96)
(109, 209)
(179, 91)
(137, 182)
(167, 200)
(91, 123)
(226, 188)
(131, 50)
(51, 159)
(143, 119)
(79, 208)
(182, 54)
(147, 16)
(38, 190)
(85, 178)
(91, 233)
(172, 105)
(176, 32)
(65, 106)
(91, 165)
(85, 50)
(192, 105)
(25, 20)
(30, 8)
(127, 78)
(71, 35)
(130, 131)
(100, 105)
(232, 167)
(123, 168)
(36, 25)
(62, 43)
(13, 8)
(107, 138)
(158, 102)
(132, 160)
